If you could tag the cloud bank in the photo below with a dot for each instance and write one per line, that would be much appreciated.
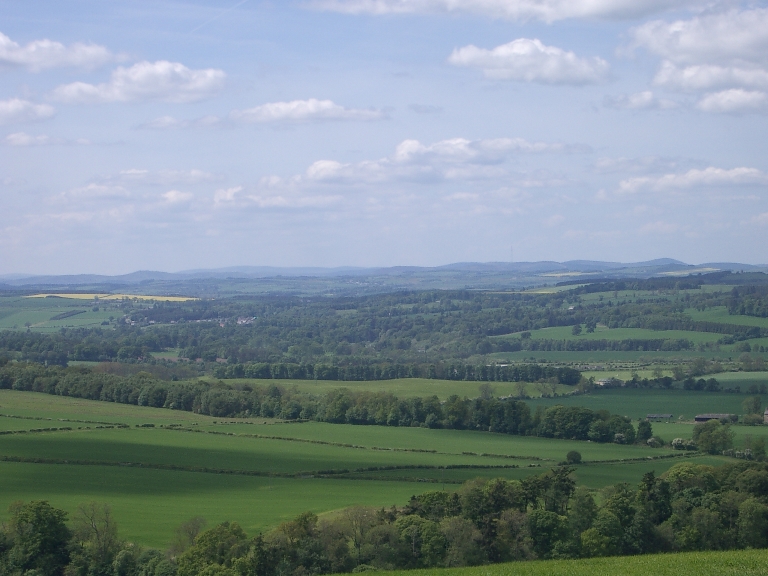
(15, 110)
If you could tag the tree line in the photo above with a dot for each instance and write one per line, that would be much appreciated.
(340, 406)
(690, 507)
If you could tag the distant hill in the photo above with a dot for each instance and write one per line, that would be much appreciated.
(358, 280)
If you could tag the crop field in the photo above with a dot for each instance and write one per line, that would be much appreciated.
(162, 467)
(731, 563)
(108, 296)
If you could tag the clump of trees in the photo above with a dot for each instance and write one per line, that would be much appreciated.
(690, 507)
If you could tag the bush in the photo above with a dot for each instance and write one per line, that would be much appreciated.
(573, 457)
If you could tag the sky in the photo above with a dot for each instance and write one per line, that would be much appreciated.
(175, 135)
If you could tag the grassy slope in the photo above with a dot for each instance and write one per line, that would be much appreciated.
(149, 504)
(733, 563)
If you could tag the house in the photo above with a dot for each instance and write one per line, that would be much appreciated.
(708, 417)
(658, 417)
(765, 416)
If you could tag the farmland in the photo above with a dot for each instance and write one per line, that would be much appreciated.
(258, 471)
(296, 435)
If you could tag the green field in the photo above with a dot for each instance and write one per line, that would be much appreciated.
(731, 563)
(18, 313)
(636, 403)
(259, 472)
(720, 314)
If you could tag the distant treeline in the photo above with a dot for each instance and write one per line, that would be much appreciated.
(341, 406)
(448, 371)
(690, 507)
(589, 345)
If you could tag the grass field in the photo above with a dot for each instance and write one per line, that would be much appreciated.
(636, 403)
(38, 314)
(259, 472)
(720, 314)
(731, 563)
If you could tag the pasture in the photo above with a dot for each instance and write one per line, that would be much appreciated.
(637, 403)
(51, 314)
(731, 563)
(259, 472)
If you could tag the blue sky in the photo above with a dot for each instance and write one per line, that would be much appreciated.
(190, 134)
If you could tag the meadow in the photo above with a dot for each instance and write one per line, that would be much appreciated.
(731, 563)
(44, 314)
(636, 403)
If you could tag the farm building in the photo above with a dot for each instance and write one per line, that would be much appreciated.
(658, 417)
(765, 416)
(708, 417)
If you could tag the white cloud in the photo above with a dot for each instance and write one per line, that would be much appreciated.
(726, 52)
(98, 191)
(640, 101)
(24, 139)
(546, 10)
(710, 176)
(455, 159)
(171, 123)
(531, 61)
(161, 80)
(761, 219)
(176, 196)
(273, 193)
(16, 110)
(41, 54)
(303, 111)
(720, 37)
(224, 195)
(707, 76)
(143, 176)
(735, 100)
